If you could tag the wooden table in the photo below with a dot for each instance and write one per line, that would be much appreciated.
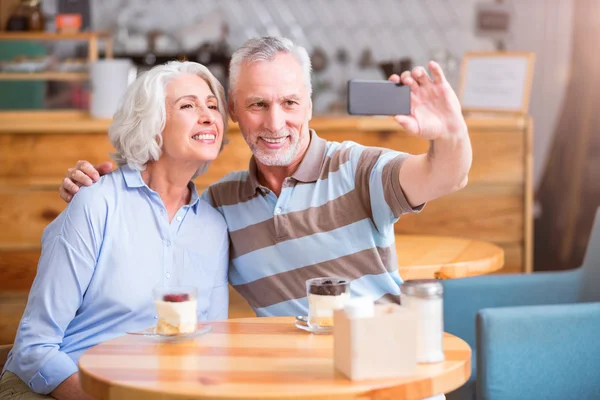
(445, 257)
(251, 358)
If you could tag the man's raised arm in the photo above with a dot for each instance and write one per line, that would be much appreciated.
(436, 116)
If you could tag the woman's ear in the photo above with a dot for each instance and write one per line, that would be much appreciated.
(231, 107)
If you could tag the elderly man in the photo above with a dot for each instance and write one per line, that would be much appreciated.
(307, 207)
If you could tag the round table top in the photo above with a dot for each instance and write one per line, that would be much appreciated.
(251, 358)
(445, 257)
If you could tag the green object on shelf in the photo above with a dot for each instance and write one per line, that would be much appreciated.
(21, 95)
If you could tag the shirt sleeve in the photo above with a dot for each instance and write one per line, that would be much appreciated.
(377, 173)
(70, 246)
(219, 297)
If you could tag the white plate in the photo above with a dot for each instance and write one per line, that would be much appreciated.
(302, 323)
(201, 329)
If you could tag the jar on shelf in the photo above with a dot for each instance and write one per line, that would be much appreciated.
(27, 16)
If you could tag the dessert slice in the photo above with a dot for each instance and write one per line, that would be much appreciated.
(324, 296)
(176, 314)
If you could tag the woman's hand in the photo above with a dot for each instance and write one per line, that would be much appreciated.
(70, 389)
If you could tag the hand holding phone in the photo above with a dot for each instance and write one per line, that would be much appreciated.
(378, 98)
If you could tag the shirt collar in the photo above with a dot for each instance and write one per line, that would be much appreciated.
(308, 171)
(133, 179)
(312, 163)
(195, 199)
(252, 184)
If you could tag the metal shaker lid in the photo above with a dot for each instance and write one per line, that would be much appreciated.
(425, 288)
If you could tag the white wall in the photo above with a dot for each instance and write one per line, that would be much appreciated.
(391, 28)
(546, 28)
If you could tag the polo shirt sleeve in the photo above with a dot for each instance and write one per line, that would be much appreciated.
(376, 176)
(207, 196)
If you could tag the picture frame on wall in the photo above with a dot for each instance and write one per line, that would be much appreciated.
(496, 82)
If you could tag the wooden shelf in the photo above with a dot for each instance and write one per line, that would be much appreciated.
(51, 122)
(45, 76)
(51, 35)
(74, 121)
(91, 37)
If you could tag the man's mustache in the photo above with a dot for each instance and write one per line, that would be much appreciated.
(282, 132)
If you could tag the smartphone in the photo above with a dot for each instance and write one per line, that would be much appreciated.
(377, 98)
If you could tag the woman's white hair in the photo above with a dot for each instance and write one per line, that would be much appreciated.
(265, 49)
(136, 131)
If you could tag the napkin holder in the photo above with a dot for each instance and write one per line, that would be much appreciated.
(381, 346)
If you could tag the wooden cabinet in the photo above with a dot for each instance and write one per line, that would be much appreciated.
(36, 150)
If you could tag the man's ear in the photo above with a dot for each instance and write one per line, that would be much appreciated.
(231, 107)
(309, 110)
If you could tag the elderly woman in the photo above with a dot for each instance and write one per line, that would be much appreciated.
(141, 226)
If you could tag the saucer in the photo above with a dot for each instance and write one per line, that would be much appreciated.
(201, 329)
(302, 323)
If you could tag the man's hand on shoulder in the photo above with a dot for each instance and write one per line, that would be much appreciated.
(82, 174)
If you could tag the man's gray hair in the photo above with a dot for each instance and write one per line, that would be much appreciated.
(136, 131)
(265, 49)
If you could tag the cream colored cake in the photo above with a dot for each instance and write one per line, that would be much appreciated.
(176, 317)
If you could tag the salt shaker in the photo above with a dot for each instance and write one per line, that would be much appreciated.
(424, 298)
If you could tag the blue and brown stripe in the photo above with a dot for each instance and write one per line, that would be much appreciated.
(333, 217)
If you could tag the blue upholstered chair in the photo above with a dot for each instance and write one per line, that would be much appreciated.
(533, 336)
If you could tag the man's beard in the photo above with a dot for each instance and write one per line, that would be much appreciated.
(277, 157)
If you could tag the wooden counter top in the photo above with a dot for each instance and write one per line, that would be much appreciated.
(36, 149)
(81, 122)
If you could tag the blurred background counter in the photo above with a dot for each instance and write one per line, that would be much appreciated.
(37, 148)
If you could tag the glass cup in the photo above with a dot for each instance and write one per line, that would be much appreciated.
(325, 295)
(176, 309)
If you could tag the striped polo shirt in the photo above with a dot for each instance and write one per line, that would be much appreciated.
(334, 217)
